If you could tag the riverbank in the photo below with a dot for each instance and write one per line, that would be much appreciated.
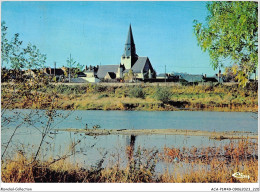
(210, 134)
(142, 97)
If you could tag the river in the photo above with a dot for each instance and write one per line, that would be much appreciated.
(91, 149)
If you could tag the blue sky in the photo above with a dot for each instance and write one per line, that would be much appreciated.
(95, 32)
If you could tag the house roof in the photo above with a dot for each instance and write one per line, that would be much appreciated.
(104, 69)
(78, 80)
(162, 75)
(191, 78)
(139, 64)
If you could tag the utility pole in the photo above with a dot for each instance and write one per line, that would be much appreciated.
(218, 74)
(54, 68)
(69, 67)
(255, 73)
(165, 75)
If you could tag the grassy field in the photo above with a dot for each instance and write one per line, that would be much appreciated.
(194, 165)
(143, 97)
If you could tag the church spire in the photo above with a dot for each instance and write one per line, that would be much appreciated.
(129, 56)
(130, 39)
(129, 45)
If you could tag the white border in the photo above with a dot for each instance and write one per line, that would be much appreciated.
(132, 186)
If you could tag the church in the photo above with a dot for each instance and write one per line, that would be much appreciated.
(141, 67)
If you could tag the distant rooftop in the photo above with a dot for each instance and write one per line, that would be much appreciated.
(103, 69)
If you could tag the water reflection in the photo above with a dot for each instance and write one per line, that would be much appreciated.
(130, 147)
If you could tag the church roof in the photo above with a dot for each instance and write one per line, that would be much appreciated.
(104, 69)
(139, 64)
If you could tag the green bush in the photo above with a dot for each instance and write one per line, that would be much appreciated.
(136, 92)
(163, 94)
(121, 92)
(91, 88)
(102, 96)
(71, 89)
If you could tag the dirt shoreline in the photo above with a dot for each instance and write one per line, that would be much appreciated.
(211, 135)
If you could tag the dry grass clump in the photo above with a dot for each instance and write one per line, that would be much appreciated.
(233, 151)
(25, 170)
(17, 170)
(140, 168)
(216, 172)
(213, 164)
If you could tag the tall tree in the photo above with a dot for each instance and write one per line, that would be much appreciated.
(73, 66)
(130, 76)
(12, 52)
(5, 45)
(17, 59)
(33, 57)
(230, 33)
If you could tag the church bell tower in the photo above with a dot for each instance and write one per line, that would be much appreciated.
(129, 56)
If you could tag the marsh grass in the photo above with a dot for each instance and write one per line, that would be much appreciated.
(195, 165)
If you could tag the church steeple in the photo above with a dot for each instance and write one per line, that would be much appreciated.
(129, 44)
(129, 56)
(130, 39)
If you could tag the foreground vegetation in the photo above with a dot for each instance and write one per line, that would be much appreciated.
(138, 97)
(193, 165)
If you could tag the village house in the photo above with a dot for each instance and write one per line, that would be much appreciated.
(91, 74)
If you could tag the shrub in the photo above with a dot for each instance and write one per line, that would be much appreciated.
(137, 92)
(163, 94)
(70, 89)
(121, 92)
(92, 88)
(64, 89)
(102, 96)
